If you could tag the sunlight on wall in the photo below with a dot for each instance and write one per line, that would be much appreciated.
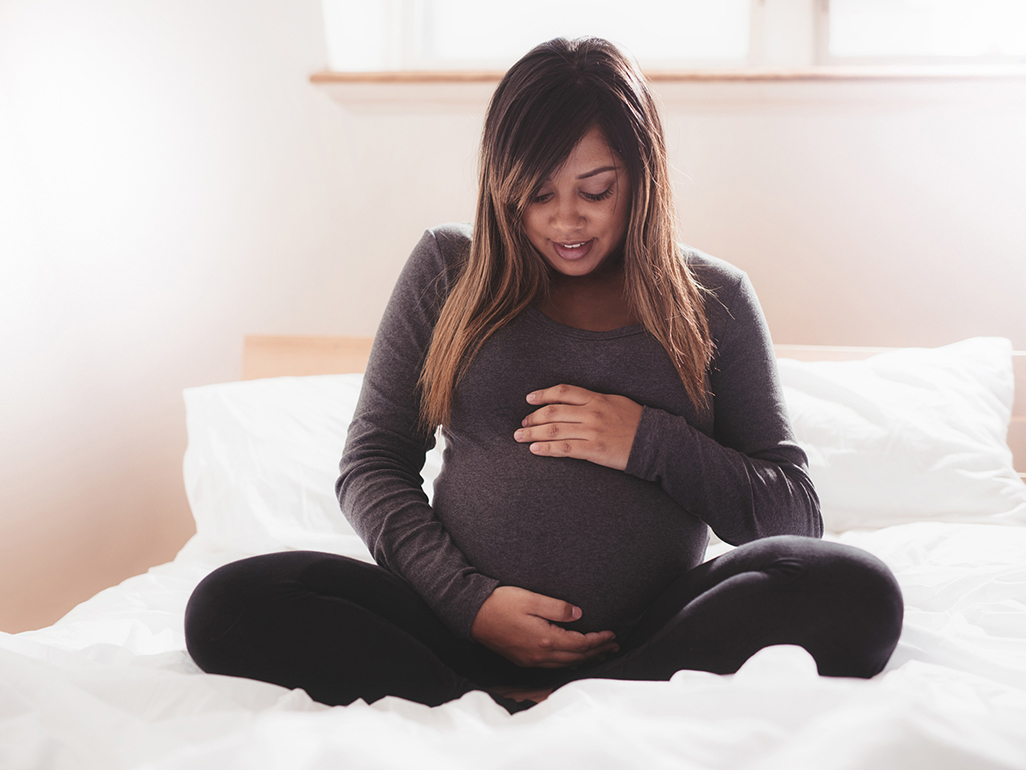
(99, 149)
(166, 170)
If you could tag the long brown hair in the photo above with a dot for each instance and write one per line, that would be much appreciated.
(540, 110)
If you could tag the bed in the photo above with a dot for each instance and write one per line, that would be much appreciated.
(918, 457)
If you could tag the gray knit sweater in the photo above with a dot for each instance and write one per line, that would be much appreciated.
(605, 540)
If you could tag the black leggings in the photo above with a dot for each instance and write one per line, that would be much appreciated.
(342, 629)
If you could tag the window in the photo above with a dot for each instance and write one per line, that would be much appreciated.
(485, 34)
(368, 35)
(925, 31)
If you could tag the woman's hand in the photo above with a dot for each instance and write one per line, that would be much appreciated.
(579, 423)
(515, 623)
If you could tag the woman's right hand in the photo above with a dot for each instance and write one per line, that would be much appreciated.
(517, 624)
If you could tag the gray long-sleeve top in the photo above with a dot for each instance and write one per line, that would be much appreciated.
(605, 540)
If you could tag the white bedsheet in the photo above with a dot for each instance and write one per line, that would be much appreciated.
(110, 686)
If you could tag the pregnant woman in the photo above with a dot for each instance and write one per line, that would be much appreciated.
(607, 396)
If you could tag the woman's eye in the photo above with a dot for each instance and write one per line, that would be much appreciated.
(594, 197)
(599, 196)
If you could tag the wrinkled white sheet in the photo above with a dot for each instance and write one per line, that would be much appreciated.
(110, 686)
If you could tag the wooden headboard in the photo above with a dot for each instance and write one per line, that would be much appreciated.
(281, 356)
(277, 356)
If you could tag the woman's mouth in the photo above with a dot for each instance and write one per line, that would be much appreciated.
(573, 250)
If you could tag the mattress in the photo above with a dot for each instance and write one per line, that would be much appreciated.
(111, 686)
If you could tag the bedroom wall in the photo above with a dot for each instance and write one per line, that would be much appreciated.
(170, 181)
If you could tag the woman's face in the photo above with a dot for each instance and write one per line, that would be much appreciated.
(579, 215)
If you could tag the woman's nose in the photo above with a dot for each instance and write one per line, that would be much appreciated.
(568, 215)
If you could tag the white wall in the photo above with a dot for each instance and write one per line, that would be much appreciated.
(867, 213)
(170, 181)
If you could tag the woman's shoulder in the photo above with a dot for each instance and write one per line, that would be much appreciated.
(443, 248)
(728, 293)
(437, 259)
(715, 274)
(452, 237)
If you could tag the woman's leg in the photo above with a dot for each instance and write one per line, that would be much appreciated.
(840, 603)
(339, 628)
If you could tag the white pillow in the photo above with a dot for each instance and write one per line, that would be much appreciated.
(909, 435)
(262, 461)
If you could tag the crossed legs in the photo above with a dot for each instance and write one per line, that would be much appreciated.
(342, 629)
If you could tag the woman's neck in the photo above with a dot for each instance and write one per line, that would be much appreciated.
(595, 302)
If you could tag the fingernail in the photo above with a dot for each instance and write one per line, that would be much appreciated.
(575, 613)
(535, 447)
(518, 435)
(531, 397)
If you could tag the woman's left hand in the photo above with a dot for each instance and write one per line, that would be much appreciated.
(580, 423)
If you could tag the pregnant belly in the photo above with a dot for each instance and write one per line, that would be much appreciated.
(598, 538)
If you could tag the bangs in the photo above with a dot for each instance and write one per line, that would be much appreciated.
(542, 116)
(535, 135)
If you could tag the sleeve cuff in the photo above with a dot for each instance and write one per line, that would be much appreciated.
(460, 613)
(643, 460)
